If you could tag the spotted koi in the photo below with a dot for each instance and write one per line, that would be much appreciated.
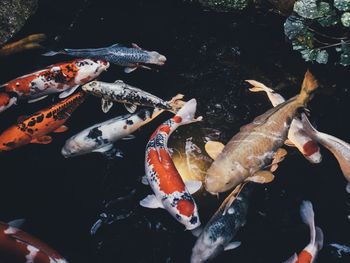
(34, 128)
(63, 78)
(170, 192)
(20, 246)
(309, 253)
(296, 137)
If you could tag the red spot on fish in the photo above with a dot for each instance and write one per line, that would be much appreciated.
(310, 148)
(177, 119)
(185, 207)
(4, 99)
(170, 180)
(162, 128)
(304, 257)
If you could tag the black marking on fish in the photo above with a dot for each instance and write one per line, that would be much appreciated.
(129, 122)
(94, 133)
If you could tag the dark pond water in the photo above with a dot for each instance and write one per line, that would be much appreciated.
(209, 57)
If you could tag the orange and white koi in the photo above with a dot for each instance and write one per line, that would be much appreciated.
(19, 246)
(170, 192)
(63, 78)
(34, 128)
(339, 148)
(296, 137)
(309, 253)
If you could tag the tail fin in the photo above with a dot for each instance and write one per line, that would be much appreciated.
(319, 238)
(307, 127)
(308, 87)
(53, 53)
(308, 217)
(177, 103)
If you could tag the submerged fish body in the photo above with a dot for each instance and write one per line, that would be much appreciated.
(339, 148)
(62, 78)
(117, 54)
(307, 146)
(124, 93)
(20, 246)
(170, 192)
(101, 137)
(309, 253)
(34, 128)
(251, 150)
(218, 233)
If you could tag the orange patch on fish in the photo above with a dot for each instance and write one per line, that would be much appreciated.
(304, 257)
(185, 207)
(4, 99)
(310, 148)
(21, 84)
(169, 178)
(177, 119)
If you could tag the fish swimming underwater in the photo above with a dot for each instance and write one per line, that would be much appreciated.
(309, 253)
(101, 137)
(170, 192)
(34, 128)
(223, 226)
(29, 42)
(296, 136)
(19, 246)
(253, 147)
(131, 58)
(339, 148)
(63, 78)
(124, 93)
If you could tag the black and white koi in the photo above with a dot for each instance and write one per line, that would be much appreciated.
(170, 191)
(123, 93)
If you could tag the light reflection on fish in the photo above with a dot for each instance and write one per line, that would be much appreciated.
(252, 149)
(339, 148)
(296, 136)
(123, 93)
(170, 192)
(309, 253)
(131, 58)
(218, 233)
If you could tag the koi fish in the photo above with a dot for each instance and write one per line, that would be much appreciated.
(309, 253)
(339, 148)
(34, 128)
(101, 137)
(296, 136)
(124, 93)
(18, 245)
(131, 58)
(223, 226)
(29, 42)
(63, 78)
(170, 192)
(252, 149)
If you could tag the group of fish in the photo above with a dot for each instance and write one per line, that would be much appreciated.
(251, 156)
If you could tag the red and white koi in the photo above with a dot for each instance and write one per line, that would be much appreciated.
(63, 78)
(20, 246)
(309, 253)
(339, 148)
(170, 192)
(307, 146)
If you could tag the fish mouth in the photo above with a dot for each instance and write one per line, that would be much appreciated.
(161, 60)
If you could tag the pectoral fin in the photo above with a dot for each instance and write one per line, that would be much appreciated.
(17, 223)
(151, 201)
(42, 140)
(214, 148)
(144, 180)
(129, 69)
(68, 92)
(193, 186)
(279, 157)
(289, 143)
(106, 105)
(292, 259)
(130, 107)
(232, 245)
(60, 129)
(135, 46)
(129, 137)
(348, 188)
(104, 149)
(37, 99)
(261, 177)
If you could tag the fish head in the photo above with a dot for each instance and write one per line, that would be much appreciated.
(315, 157)
(224, 175)
(188, 214)
(91, 87)
(88, 69)
(187, 112)
(13, 138)
(156, 58)
(207, 247)
(74, 146)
